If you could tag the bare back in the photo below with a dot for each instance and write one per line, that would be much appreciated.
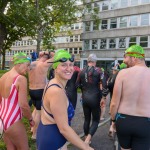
(37, 75)
(135, 98)
(5, 83)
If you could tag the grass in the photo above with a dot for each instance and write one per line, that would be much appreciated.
(2, 72)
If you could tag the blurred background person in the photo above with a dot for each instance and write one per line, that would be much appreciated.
(34, 55)
(90, 80)
(37, 81)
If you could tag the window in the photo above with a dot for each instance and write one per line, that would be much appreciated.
(76, 38)
(123, 22)
(80, 49)
(144, 1)
(19, 43)
(145, 19)
(133, 21)
(95, 25)
(112, 43)
(114, 4)
(87, 26)
(76, 26)
(72, 27)
(132, 41)
(70, 50)
(96, 7)
(71, 38)
(75, 50)
(113, 23)
(86, 44)
(14, 44)
(122, 42)
(88, 8)
(94, 44)
(104, 24)
(105, 5)
(103, 44)
(28, 42)
(123, 3)
(134, 2)
(144, 41)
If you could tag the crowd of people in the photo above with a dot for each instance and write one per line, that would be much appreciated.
(53, 83)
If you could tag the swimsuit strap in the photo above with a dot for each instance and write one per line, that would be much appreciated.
(15, 79)
(47, 87)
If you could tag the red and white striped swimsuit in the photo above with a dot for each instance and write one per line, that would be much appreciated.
(10, 111)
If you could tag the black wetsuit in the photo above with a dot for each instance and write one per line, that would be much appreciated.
(71, 88)
(111, 83)
(89, 81)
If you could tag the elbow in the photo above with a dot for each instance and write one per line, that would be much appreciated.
(64, 129)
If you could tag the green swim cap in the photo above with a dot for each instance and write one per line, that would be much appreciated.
(20, 58)
(135, 51)
(58, 55)
(122, 66)
(102, 69)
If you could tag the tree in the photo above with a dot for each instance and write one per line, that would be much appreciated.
(40, 19)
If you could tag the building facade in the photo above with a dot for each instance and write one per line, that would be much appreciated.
(122, 23)
(71, 42)
(26, 45)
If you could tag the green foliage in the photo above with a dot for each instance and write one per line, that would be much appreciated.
(2, 72)
(40, 19)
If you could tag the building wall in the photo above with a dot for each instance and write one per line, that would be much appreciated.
(119, 24)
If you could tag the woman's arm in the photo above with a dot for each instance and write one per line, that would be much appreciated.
(58, 106)
(22, 97)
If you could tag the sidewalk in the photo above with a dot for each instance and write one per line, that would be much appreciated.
(100, 140)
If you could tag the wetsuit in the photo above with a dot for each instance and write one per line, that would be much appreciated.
(111, 83)
(10, 111)
(49, 136)
(71, 88)
(89, 81)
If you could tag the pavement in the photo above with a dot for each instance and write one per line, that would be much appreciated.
(100, 140)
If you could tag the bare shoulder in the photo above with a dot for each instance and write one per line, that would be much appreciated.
(21, 79)
(55, 93)
(122, 73)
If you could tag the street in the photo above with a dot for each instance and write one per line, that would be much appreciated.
(100, 140)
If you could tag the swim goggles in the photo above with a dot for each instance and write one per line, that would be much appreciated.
(63, 60)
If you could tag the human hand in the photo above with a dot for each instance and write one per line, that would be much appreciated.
(102, 103)
(31, 122)
(88, 147)
(114, 126)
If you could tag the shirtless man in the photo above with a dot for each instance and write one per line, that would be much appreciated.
(130, 105)
(37, 82)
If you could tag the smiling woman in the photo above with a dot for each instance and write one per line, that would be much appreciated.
(57, 110)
